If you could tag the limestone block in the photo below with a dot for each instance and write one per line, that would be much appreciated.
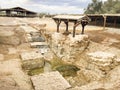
(114, 75)
(30, 55)
(101, 59)
(89, 75)
(66, 47)
(50, 81)
(32, 60)
(38, 44)
(32, 64)
(78, 40)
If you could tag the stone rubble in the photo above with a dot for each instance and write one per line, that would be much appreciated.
(66, 47)
(110, 82)
(50, 81)
(102, 60)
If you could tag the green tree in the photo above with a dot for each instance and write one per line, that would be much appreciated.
(111, 6)
(94, 8)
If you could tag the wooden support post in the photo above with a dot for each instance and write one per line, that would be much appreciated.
(82, 29)
(58, 27)
(115, 21)
(95, 21)
(74, 29)
(58, 24)
(104, 21)
(66, 22)
(83, 23)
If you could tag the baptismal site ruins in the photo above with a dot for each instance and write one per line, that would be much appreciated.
(61, 51)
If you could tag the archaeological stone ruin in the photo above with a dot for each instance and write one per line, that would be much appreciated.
(34, 56)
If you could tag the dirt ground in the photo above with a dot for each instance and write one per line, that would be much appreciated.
(102, 37)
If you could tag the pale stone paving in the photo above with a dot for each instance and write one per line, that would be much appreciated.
(50, 81)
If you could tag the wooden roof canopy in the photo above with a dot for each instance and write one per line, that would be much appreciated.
(70, 18)
(107, 18)
(18, 9)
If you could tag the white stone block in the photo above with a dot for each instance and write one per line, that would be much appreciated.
(50, 81)
(30, 55)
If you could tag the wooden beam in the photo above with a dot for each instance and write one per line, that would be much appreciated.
(74, 28)
(83, 23)
(104, 21)
(82, 29)
(115, 21)
(77, 23)
(58, 25)
(58, 21)
(95, 21)
(66, 22)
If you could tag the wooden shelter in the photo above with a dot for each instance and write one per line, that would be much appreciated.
(70, 18)
(17, 12)
(109, 20)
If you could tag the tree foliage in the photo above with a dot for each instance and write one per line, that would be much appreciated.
(99, 7)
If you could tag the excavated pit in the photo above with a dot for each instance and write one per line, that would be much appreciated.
(89, 61)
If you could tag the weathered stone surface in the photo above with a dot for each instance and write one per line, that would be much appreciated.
(110, 82)
(66, 47)
(30, 55)
(38, 44)
(102, 60)
(38, 39)
(32, 60)
(50, 81)
(1, 57)
(113, 78)
(49, 55)
(32, 64)
(91, 86)
(90, 75)
(78, 40)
